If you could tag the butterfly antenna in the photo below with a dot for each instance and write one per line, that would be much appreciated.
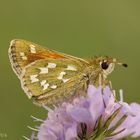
(119, 63)
(123, 64)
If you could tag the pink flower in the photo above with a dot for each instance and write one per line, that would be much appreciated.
(95, 117)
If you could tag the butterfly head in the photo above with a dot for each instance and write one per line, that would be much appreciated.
(107, 64)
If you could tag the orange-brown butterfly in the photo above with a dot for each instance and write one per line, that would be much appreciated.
(50, 77)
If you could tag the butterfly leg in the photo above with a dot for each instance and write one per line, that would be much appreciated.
(110, 85)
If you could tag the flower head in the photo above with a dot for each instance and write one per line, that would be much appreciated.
(98, 116)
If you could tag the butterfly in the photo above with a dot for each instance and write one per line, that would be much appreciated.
(50, 77)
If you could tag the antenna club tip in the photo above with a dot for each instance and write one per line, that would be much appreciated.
(125, 65)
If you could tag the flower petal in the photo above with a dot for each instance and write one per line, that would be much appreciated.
(71, 133)
(46, 135)
(96, 102)
(94, 111)
(79, 114)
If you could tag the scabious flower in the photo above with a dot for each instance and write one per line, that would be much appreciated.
(99, 116)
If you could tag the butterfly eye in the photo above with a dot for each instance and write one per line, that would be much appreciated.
(104, 65)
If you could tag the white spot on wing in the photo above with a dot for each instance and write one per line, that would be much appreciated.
(54, 86)
(43, 70)
(34, 78)
(32, 49)
(62, 73)
(24, 58)
(60, 76)
(22, 54)
(44, 84)
(65, 80)
(71, 67)
(51, 65)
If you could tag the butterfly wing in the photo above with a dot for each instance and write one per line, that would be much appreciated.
(45, 74)
(22, 53)
(50, 80)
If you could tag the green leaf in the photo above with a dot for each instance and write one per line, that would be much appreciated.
(121, 120)
(110, 119)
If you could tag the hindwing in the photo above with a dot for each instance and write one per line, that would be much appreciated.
(49, 78)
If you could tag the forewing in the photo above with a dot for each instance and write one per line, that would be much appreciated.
(22, 53)
(49, 78)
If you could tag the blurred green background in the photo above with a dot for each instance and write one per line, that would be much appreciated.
(78, 27)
